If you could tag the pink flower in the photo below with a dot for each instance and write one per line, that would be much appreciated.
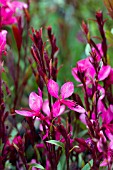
(85, 68)
(66, 91)
(46, 109)
(8, 11)
(35, 104)
(3, 34)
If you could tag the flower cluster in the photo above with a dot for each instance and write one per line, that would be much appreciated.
(96, 112)
(9, 11)
(59, 123)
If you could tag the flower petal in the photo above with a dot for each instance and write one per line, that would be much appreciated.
(83, 118)
(53, 88)
(45, 107)
(35, 102)
(17, 5)
(67, 90)
(104, 72)
(62, 109)
(25, 113)
(78, 109)
(56, 108)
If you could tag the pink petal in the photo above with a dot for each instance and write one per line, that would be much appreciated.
(109, 134)
(56, 108)
(62, 109)
(104, 72)
(3, 2)
(17, 5)
(45, 107)
(79, 109)
(105, 162)
(111, 145)
(7, 15)
(67, 90)
(83, 118)
(53, 88)
(25, 113)
(35, 102)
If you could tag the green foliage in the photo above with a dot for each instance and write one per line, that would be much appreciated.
(56, 143)
(88, 165)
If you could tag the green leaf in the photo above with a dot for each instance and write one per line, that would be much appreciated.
(36, 166)
(88, 165)
(57, 143)
(62, 162)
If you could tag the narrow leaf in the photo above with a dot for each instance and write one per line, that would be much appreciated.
(36, 166)
(88, 165)
(57, 143)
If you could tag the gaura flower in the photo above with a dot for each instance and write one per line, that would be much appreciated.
(66, 91)
(46, 109)
(85, 67)
(35, 104)
(87, 70)
(8, 11)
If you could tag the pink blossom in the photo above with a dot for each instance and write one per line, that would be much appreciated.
(86, 68)
(55, 108)
(8, 11)
(35, 104)
(66, 91)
